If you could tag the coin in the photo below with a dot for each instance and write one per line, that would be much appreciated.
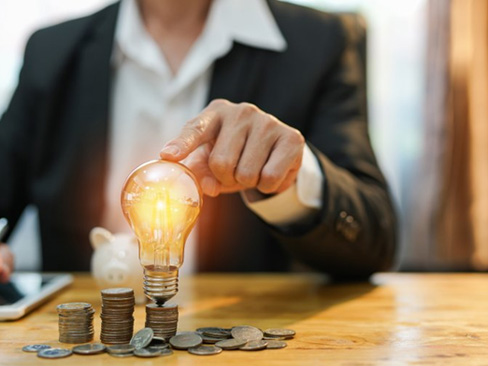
(254, 346)
(162, 319)
(223, 334)
(54, 353)
(117, 292)
(121, 355)
(35, 347)
(121, 348)
(205, 350)
(276, 344)
(147, 352)
(277, 332)
(89, 349)
(166, 352)
(75, 322)
(229, 344)
(117, 315)
(186, 340)
(247, 333)
(211, 340)
(142, 338)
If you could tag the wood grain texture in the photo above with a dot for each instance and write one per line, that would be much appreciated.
(397, 319)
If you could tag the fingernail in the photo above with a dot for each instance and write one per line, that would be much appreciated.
(208, 186)
(171, 150)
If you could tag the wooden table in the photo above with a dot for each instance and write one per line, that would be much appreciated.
(421, 319)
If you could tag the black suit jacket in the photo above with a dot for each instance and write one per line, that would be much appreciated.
(53, 147)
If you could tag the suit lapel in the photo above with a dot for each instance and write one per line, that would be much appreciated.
(93, 89)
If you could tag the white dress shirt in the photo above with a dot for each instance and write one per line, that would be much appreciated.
(150, 105)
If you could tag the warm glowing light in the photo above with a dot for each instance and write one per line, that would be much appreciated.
(161, 201)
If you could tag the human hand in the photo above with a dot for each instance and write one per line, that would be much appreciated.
(6, 263)
(232, 147)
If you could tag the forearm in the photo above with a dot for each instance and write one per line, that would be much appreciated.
(333, 243)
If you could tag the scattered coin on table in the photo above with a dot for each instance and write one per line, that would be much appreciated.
(281, 333)
(142, 338)
(254, 346)
(54, 353)
(247, 333)
(35, 347)
(89, 349)
(186, 340)
(120, 349)
(272, 344)
(205, 350)
(230, 344)
(147, 352)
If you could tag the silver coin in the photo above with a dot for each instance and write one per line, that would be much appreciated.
(142, 338)
(211, 340)
(35, 347)
(117, 291)
(73, 306)
(266, 338)
(205, 350)
(186, 340)
(121, 348)
(147, 352)
(211, 329)
(217, 334)
(89, 349)
(121, 355)
(247, 332)
(166, 352)
(275, 344)
(254, 346)
(278, 332)
(232, 343)
(54, 353)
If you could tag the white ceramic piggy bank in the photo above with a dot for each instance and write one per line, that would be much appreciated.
(115, 261)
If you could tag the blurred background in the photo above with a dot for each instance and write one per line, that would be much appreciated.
(411, 46)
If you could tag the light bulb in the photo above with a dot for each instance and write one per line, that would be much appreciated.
(161, 201)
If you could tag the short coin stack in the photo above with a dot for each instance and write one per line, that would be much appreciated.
(162, 319)
(75, 322)
(117, 315)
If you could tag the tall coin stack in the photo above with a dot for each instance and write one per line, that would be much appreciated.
(117, 315)
(75, 322)
(162, 319)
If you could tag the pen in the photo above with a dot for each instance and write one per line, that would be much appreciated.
(3, 228)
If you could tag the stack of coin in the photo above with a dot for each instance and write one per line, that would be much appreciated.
(162, 319)
(75, 322)
(117, 315)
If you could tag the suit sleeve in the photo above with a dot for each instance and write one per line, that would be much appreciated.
(16, 131)
(354, 233)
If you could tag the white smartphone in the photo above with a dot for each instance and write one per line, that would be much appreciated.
(27, 290)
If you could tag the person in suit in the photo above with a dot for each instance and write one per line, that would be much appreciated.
(263, 100)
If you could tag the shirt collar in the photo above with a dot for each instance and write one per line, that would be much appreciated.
(249, 22)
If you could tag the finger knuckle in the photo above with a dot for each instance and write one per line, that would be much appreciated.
(246, 177)
(295, 137)
(270, 179)
(220, 165)
(219, 102)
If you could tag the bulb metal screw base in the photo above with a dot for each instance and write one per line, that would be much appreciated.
(160, 286)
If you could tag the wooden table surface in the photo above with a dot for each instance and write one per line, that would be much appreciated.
(397, 319)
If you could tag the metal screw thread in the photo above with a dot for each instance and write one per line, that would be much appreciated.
(160, 286)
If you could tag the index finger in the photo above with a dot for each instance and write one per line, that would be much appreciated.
(196, 132)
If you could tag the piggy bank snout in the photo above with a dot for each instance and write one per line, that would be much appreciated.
(116, 273)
